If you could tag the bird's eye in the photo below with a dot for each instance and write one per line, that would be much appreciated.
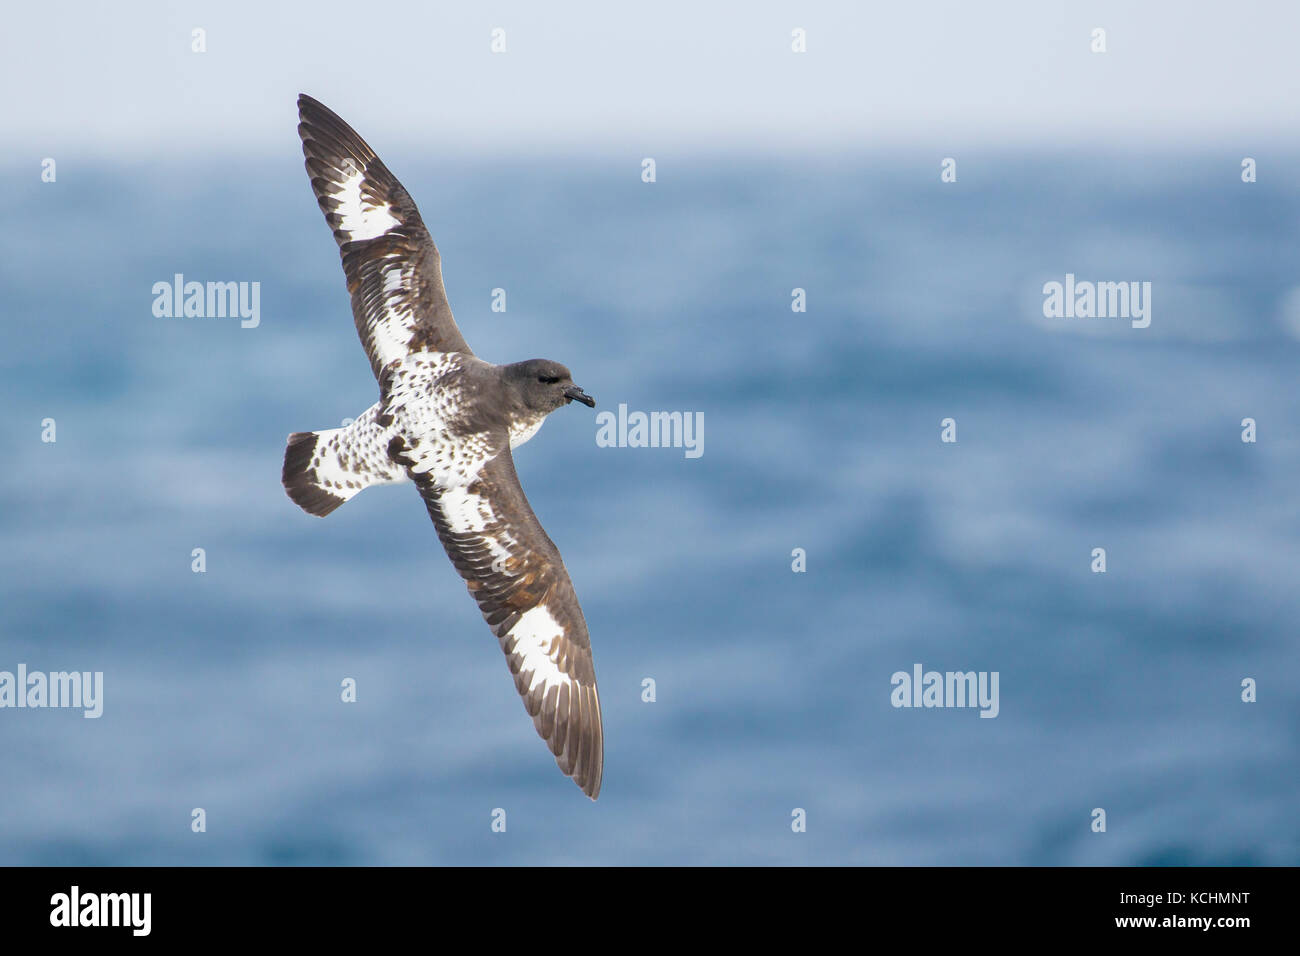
(547, 379)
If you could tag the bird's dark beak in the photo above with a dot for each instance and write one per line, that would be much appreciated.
(575, 394)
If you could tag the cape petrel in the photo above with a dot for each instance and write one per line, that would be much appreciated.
(447, 421)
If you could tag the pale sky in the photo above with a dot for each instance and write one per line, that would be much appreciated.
(120, 78)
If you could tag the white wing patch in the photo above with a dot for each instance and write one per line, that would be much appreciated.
(466, 513)
(536, 636)
(394, 271)
(391, 335)
(363, 215)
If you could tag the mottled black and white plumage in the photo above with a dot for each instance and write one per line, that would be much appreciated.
(447, 421)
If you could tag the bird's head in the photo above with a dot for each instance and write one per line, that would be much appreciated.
(543, 386)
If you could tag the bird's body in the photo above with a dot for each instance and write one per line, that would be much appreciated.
(447, 420)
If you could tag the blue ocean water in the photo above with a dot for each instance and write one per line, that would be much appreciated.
(1119, 691)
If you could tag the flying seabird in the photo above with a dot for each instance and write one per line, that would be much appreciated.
(447, 420)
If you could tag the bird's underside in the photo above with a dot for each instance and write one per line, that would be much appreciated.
(437, 424)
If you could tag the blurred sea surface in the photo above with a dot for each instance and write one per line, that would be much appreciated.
(1119, 691)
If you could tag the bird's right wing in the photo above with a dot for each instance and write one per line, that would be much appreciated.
(516, 574)
(391, 263)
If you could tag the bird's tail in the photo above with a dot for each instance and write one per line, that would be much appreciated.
(323, 469)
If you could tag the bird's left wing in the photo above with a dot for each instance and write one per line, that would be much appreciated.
(393, 269)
